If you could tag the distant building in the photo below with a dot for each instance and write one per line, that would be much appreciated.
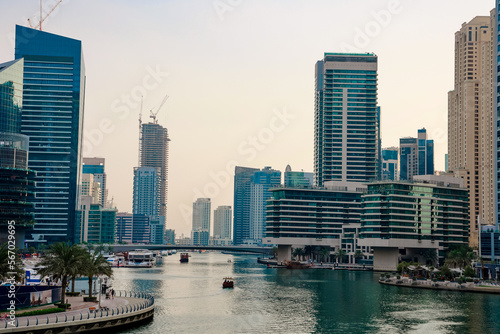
(298, 179)
(401, 219)
(91, 188)
(124, 222)
(390, 163)
(170, 237)
(416, 156)
(184, 241)
(95, 224)
(260, 183)
(222, 222)
(52, 117)
(346, 119)
(95, 167)
(241, 207)
(201, 221)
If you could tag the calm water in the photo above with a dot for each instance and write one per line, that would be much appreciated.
(189, 299)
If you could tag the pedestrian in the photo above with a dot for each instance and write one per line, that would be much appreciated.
(112, 293)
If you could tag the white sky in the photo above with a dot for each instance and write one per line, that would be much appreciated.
(233, 66)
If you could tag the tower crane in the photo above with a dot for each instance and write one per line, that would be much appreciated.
(39, 25)
(154, 113)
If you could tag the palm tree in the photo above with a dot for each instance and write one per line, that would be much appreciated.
(274, 251)
(62, 261)
(10, 262)
(358, 255)
(298, 252)
(460, 257)
(340, 254)
(324, 253)
(95, 265)
(308, 250)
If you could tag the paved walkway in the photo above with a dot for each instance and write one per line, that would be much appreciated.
(79, 309)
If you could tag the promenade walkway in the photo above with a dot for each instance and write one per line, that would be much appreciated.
(481, 287)
(125, 307)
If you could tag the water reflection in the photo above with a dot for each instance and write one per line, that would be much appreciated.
(190, 299)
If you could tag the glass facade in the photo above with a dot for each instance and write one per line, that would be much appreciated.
(497, 114)
(314, 214)
(347, 131)
(416, 156)
(390, 164)
(241, 218)
(53, 99)
(11, 96)
(415, 212)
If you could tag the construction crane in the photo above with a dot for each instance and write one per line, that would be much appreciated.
(39, 25)
(154, 113)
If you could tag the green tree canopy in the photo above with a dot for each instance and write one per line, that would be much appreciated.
(94, 266)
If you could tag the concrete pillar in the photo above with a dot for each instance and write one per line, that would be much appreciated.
(284, 253)
(385, 258)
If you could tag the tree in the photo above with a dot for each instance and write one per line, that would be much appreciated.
(340, 254)
(100, 248)
(62, 261)
(469, 272)
(308, 250)
(10, 262)
(298, 252)
(446, 271)
(358, 255)
(460, 257)
(95, 266)
(324, 254)
(430, 255)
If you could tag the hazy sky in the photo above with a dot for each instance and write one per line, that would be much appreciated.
(240, 79)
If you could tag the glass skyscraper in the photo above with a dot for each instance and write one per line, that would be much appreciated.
(416, 156)
(346, 120)
(52, 117)
(241, 220)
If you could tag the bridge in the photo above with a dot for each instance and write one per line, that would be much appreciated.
(239, 249)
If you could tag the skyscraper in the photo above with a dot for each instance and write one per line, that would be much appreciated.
(222, 222)
(16, 180)
(496, 112)
(201, 221)
(471, 117)
(154, 153)
(260, 184)
(52, 117)
(390, 163)
(146, 199)
(346, 119)
(416, 156)
(241, 221)
(95, 166)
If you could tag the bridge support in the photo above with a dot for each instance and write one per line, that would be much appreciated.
(284, 253)
(385, 258)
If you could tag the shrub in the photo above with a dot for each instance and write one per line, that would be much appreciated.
(72, 294)
(62, 305)
(40, 312)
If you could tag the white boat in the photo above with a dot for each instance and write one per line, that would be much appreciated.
(142, 258)
(116, 261)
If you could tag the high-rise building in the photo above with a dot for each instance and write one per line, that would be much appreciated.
(390, 163)
(241, 207)
(154, 153)
(416, 156)
(346, 119)
(16, 180)
(223, 217)
(146, 199)
(52, 117)
(95, 166)
(496, 79)
(471, 114)
(260, 184)
(201, 221)
(170, 237)
(91, 188)
(297, 179)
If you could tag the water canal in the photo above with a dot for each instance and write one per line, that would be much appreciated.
(190, 299)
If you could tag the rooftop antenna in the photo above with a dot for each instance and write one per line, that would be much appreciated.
(154, 113)
(39, 25)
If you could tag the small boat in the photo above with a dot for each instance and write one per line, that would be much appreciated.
(184, 257)
(228, 283)
(297, 265)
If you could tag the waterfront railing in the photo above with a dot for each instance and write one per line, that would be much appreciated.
(137, 307)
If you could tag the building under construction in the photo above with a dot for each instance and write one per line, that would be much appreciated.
(153, 152)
